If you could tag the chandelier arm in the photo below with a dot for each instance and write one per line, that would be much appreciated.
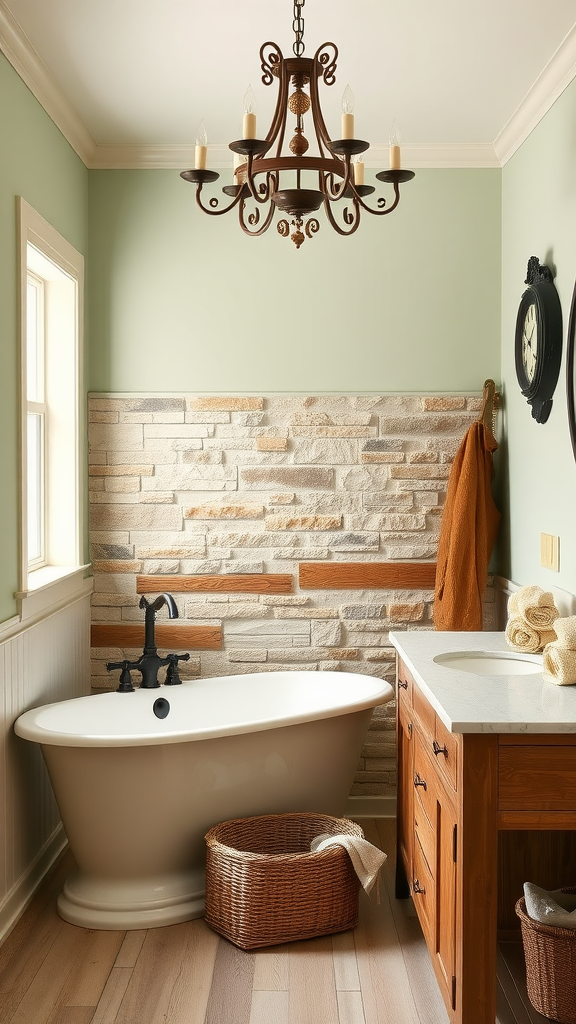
(279, 119)
(386, 209)
(352, 219)
(327, 62)
(213, 212)
(332, 189)
(260, 193)
(255, 217)
(278, 127)
(321, 58)
(270, 61)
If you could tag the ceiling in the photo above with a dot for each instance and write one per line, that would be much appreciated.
(468, 77)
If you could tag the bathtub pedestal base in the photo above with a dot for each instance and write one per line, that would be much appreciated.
(120, 906)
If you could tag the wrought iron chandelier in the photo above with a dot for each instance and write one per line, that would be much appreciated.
(259, 175)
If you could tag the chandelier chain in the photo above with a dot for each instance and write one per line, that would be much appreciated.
(298, 27)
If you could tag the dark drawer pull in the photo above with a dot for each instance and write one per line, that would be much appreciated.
(439, 750)
(402, 684)
(418, 888)
(420, 782)
(410, 729)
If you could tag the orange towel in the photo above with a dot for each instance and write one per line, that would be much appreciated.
(468, 531)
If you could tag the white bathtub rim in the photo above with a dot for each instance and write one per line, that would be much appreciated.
(29, 725)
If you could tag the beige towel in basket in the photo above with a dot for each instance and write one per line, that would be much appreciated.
(534, 605)
(366, 859)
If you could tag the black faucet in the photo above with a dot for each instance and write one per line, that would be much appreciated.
(150, 661)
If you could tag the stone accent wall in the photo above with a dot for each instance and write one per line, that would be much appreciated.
(208, 486)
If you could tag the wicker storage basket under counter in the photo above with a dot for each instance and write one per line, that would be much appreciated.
(264, 886)
(550, 955)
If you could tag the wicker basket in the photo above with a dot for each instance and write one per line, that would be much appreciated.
(264, 886)
(550, 955)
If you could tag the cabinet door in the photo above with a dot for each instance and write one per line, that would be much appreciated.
(404, 811)
(446, 867)
(436, 834)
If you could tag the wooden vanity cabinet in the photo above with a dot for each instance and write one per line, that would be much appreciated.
(479, 813)
(442, 826)
(427, 828)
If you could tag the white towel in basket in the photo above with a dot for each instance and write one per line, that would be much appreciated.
(366, 859)
(557, 909)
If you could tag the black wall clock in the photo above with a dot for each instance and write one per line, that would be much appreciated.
(571, 372)
(538, 345)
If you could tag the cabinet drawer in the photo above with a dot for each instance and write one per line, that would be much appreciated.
(426, 836)
(405, 684)
(426, 714)
(441, 744)
(445, 750)
(423, 894)
(537, 778)
(424, 780)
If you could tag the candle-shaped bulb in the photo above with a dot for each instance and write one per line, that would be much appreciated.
(347, 113)
(239, 159)
(395, 140)
(358, 167)
(249, 119)
(348, 101)
(201, 150)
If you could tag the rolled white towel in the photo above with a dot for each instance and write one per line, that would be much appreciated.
(535, 605)
(366, 858)
(559, 664)
(522, 637)
(565, 630)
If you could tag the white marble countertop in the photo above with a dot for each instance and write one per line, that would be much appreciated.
(466, 702)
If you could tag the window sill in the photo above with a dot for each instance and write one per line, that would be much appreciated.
(50, 587)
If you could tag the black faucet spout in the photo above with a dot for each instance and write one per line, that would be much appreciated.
(150, 618)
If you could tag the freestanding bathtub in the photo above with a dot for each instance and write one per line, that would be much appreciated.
(140, 778)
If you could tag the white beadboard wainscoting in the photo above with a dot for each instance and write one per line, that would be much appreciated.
(46, 661)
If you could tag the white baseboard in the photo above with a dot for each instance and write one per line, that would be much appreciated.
(371, 807)
(16, 901)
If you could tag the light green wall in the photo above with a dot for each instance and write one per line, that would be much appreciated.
(539, 219)
(182, 300)
(37, 163)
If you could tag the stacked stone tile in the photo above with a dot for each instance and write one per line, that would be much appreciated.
(191, 485)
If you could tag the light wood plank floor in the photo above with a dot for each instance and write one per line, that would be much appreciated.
(54, 973)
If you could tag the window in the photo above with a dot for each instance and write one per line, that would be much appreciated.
(51, 278)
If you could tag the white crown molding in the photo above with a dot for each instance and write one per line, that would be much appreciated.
(220, 157)
(435, 155)
(550, 84)
(18, 49)
(142, 157)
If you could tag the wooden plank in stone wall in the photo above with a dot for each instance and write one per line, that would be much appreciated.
(188, 638)
(367, 575)
(237, 583)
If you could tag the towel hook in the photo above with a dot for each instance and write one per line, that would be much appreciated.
(490, 402)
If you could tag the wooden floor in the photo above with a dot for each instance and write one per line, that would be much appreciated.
(54, 973)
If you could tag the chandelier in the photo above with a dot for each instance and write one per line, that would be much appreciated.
(262, 167)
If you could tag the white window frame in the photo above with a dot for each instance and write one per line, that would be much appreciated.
(61, 267)
(37, 407)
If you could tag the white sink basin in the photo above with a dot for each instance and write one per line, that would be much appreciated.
(491, 663)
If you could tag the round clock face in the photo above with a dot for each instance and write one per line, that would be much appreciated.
(530, 342)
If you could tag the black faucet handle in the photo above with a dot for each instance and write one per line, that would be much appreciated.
(125, 677)
(172, 675)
